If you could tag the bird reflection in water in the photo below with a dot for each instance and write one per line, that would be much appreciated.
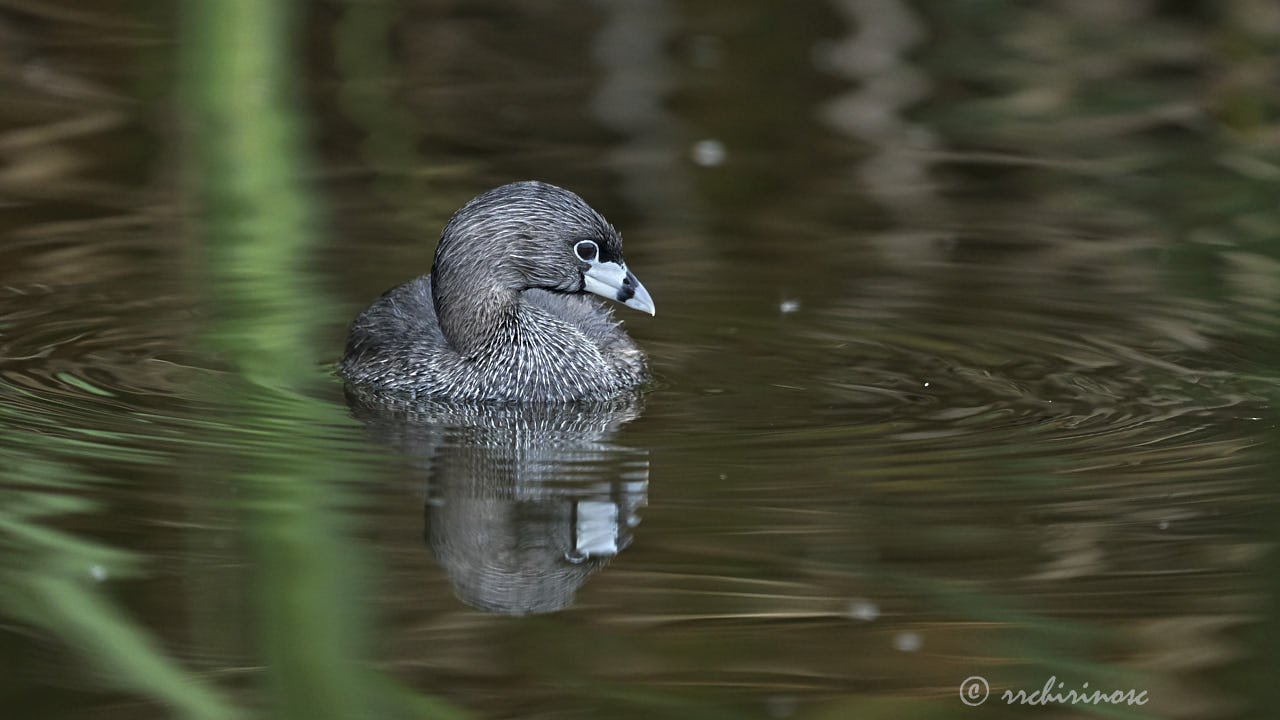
(523, 502)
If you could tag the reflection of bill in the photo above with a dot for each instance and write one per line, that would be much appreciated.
(596, 530)
(524, 503)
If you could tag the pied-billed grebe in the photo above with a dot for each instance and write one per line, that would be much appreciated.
(504, 314)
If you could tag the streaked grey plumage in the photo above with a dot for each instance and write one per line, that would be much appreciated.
(503, 315)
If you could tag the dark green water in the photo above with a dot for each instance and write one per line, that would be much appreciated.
(966, 354)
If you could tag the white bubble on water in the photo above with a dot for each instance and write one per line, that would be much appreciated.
(709, 153)
(908, 642)
(864, 610)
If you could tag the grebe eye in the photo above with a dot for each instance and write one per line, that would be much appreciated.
(586, 250)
